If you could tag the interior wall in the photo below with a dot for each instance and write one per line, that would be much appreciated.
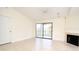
(21, 26)
(72, 25)
(72, 22)
(58, 27)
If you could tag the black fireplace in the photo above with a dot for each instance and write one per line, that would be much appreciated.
(73, 39)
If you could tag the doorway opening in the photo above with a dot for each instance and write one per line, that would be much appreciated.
(44, 30)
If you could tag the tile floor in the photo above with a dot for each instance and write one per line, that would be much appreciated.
(39, 45)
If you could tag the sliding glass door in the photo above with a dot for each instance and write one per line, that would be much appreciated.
(47, 30)
(39, 30)
(44, 30)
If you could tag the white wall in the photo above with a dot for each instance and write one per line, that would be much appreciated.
(72, 22)
(58, 27)
(21, 26)
(72, 25)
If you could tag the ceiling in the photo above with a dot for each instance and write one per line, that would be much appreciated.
(44, 12)
(38, 13)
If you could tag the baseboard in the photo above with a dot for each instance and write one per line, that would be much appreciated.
(5, 43)
(22, 39)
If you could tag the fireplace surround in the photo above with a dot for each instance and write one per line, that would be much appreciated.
(73, 39)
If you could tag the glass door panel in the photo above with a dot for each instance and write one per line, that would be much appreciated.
(39, 30)
(48, 30)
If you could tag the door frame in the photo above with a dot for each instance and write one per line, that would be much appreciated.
(43, 30)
